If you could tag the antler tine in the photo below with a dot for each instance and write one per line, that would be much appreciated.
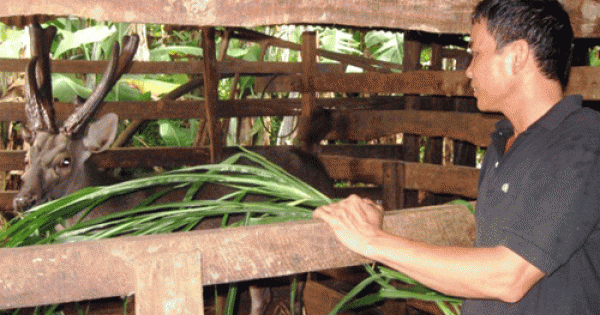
(130, 47)
(32, 98)
(39, 104)
(77, 121)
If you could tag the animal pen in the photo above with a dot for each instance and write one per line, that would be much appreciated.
(385, 99)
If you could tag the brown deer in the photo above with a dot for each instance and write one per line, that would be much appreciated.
(57, 162)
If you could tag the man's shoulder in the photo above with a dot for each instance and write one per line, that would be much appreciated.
(584, 121)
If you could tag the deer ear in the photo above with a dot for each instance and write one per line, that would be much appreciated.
(28, 135)
(101, 133)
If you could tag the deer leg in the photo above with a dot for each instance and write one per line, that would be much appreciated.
(260, 297)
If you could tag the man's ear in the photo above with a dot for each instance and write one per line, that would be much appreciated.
(517, 55)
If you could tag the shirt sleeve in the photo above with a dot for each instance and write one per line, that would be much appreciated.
(558, 207)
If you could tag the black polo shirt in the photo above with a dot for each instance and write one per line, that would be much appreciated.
(542, 200)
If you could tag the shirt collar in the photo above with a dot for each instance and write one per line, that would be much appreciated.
(550, 120)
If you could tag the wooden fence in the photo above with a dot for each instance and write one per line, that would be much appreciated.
(167, 272)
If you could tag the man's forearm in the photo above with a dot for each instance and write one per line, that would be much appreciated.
(487, 273)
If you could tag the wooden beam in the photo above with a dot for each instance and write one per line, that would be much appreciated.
(452, 180)
(227, 67)
(309, 70)
(37, 275)
(448, 179)
(475, 128)
(430, 16)
(14, 111)
(443, 83)
(393, 185)
(169, 284)
(211, 93)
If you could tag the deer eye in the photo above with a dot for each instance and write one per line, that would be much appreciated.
(63, 165)
(66, 162)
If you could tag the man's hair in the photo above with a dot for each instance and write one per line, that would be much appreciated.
(543, 24)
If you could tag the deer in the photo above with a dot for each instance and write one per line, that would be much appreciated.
(58, 160)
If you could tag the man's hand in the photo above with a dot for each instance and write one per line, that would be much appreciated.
(354, 220)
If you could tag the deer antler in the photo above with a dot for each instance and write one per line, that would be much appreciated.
(118, 65)
(39, 103)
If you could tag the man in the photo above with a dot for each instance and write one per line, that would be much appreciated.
(538, 240)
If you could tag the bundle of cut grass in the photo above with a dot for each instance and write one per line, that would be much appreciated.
(284, 198)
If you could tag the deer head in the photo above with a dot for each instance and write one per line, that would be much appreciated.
(56, 161)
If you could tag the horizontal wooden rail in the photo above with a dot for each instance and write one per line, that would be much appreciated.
(475, 128)
(350, 123)
(38, 275)
(226, 67)
(429, 16)
(329, 77)
(452, 180)
(444, 83)
(165, 109)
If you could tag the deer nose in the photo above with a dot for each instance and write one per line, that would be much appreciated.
(22, 203)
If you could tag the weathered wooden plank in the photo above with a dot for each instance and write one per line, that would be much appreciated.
(308, 100)
(169, 284)
(87, 66)
(60, 273)
(443, 83)
(475, 128)
(166, 109)
(447, 83)
(226, 67)
(448, 16)
(452, 180)
(12, 160)
(6, 198)
(14, 111)
(211, 93)
(354, 169)
(375, 151)
(393, 185)
(442, 179)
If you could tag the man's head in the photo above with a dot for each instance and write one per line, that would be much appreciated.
(543, 24)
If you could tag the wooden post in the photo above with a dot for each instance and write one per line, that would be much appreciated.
(309, 69)
(169, 284)
(434, 145)
(393, 185)
(211, 93)
(410, 143)
(465, 153)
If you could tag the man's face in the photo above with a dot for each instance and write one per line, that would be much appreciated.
(488, 70)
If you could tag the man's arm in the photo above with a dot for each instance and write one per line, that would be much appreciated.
(487, 273)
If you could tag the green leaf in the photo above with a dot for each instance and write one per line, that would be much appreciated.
(12, 45)
(338, 41)
(163, 53)
(82, 37)
(175, 135)
(464, 203)
(155, 87)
